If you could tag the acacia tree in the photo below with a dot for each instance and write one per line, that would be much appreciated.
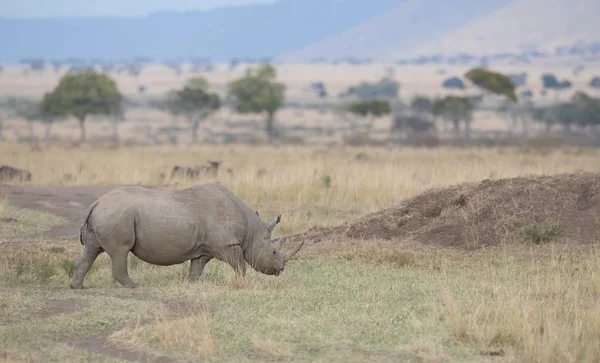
(194, 102)
(437, 110)
(587, 111)
(493, 82)
(549, 81)
(386, 88)
(421, 104)
(84, 94)
(417, 119)
(595, 83)
(456, 110)
(453, 83)
(365, 111)
(372, 109)
(50, 111)
(258, 92)
(497, 84)
(581, 111)
(21, 108)
(30, 111)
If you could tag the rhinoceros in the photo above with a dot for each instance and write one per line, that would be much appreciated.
(170, 227)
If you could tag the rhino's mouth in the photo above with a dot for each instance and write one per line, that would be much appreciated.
(274, 271)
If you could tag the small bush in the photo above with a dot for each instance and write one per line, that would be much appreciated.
(381, 255)
(361, 156)
(57, 249)
(394, 258)
(43, 271)
(20, 268)
(541, 234)
(326, 180)
(69, 266)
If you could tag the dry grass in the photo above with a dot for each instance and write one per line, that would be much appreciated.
(271, 348)
(294, 181)
(545, 308)
(192, 335)
(348, 301)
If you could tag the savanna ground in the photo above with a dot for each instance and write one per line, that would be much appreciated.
(533, 297)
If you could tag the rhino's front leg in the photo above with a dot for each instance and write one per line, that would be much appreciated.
(197, 266)
(234, 256)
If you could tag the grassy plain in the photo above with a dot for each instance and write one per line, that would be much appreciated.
(356, 301)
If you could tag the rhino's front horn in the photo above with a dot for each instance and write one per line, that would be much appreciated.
(280, 243)
(289, 257)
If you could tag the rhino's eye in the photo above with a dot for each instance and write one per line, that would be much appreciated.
(274, 252)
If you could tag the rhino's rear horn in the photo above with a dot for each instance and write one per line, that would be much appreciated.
(273, 223)
(289, 257)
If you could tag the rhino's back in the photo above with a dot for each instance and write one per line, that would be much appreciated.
(213, 199)
(212, 203)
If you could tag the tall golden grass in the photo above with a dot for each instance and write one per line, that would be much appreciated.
(336, 183)
(546, 308)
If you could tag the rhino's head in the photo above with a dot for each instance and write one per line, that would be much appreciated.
(265, 256)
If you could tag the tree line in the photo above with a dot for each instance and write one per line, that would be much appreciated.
(582, 111)
(91, 93)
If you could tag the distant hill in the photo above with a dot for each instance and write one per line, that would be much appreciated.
(391, 34)
(479, 28)
(548, 26)
(306, 30)
(256, 31)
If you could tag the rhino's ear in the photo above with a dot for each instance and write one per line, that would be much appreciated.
(272, 224)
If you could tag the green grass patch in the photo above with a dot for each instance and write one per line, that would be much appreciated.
(17, 222)
(394, 305)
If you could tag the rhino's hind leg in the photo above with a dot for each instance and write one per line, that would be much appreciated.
(118, 258)
(83, 264)
(197, 266)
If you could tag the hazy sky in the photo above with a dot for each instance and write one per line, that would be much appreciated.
(52, 8)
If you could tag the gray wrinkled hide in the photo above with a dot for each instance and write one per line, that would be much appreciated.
(171, 227)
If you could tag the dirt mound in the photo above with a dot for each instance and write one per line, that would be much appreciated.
(538, 210)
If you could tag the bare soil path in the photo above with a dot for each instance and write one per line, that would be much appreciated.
(69, 202)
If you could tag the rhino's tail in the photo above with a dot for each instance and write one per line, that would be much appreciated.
(85, 222)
